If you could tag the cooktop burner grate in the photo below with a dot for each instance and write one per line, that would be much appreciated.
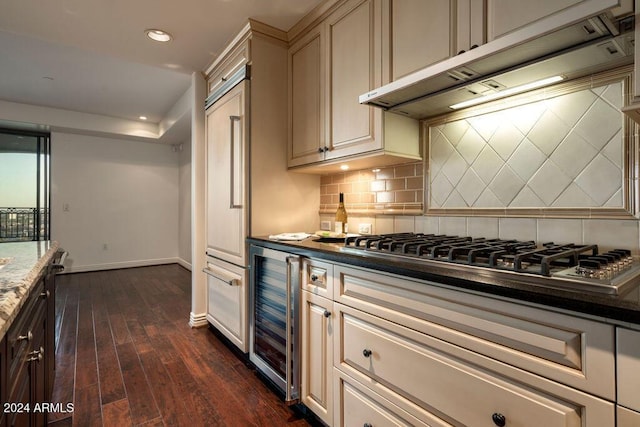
(514, 255)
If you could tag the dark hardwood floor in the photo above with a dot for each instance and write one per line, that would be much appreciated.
(127, 356)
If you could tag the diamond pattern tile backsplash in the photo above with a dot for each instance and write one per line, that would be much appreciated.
(561, 152)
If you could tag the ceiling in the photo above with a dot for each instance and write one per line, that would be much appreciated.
(92, 56)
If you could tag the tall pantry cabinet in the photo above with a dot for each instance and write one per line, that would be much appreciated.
(248, 190)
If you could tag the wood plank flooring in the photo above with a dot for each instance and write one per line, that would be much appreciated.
(126, 356)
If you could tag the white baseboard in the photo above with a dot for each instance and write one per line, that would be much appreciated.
(184, 264)
(124, 264)
(198, 320)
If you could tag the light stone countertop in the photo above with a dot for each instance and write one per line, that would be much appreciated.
(21, 264)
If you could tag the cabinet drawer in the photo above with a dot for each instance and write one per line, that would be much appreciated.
(223, 71)
(227, 302)
(357, 405)
(25, 330)
(628, 372)
(571, 350)
(317, 277)
(431, 374)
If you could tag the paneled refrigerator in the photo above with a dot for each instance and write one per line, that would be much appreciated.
(248, 189)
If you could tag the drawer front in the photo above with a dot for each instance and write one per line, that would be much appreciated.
(24, 332)
(317, 277)
(428, 372)
(236, 60)
(357, 405)
(557, 346)
(627, 417)
(628, 359)
(227, 303)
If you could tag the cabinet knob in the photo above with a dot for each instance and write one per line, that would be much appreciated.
(36, 355)
(314, 277)
(321, 150)
(327, 313)
(366, 352)
(27, 337)
(367, 425)
(499, 419)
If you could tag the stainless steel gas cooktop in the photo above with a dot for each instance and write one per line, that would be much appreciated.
(561, 266)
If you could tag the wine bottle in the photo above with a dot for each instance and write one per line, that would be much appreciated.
(341, 217)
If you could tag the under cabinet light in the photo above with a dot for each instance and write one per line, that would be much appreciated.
(344, 167)
(507, 92)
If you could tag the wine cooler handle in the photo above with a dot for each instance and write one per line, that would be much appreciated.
(232, 192)
(293, 327)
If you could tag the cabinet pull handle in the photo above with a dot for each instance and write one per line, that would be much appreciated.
(232, 193)
(228, 280)
(327, 313)
(46, 294)
(366, 352)
(499, 419)
(367, 425)
(36, 355)
(27, 337)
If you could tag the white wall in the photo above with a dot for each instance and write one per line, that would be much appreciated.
(121, 193)
(184, 205)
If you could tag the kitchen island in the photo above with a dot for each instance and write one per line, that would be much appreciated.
(21, 265)
(27, 343)
(390, 338)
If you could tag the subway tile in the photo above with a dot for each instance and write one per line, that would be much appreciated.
(486, 227)
(395, 184)
(404, 171)
(517, 228)
(612, 234)
(386, 173)
(560, 230)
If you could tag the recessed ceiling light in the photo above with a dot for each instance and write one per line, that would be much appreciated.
(158, 35)
(143, 117)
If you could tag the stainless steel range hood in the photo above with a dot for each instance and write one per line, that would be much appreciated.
(561, 45)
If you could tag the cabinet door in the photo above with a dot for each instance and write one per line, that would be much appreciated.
(504, 16)
(226, 130)
(317, 355)
(227, 297)
(306, 100)
(355, 54)
(420, 34)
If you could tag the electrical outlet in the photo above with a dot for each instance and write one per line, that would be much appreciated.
(325, 225)
(364, 228)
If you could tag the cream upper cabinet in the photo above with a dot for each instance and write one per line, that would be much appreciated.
(354, 52)
(306, 99)
(504, 16)
(423, 33)
(330, 65)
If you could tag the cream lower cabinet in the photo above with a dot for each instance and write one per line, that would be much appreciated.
(317, 338)
(410, 352)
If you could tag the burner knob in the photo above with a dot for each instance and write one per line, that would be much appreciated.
(589, 267)
(625, 255)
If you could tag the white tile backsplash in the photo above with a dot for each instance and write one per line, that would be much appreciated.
(545, 154)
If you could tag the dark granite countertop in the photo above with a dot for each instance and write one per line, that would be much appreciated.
(21, 264)
(622, 310)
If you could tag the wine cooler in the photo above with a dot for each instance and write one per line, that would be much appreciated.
(274, 324)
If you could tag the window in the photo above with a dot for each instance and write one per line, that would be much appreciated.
(24, 185)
